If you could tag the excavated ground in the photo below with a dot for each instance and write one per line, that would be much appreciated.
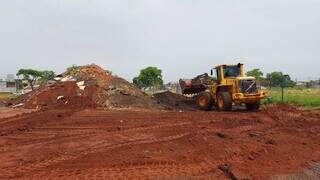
(276, 142)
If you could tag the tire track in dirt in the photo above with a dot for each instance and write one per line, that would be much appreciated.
(121, 149)
(103, 146)
(140, 170)
(83, 132)
(87, 132)
(66, 157)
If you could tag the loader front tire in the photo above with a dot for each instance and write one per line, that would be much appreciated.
(205, 101)
(224, 101)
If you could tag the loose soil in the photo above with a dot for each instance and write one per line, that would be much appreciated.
(121, 144)
(99, 89)
(176, 102)
(10, 112)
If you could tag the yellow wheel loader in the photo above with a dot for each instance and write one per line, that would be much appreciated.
(226, 86)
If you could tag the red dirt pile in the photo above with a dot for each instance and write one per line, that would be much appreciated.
(56, 95)
(91, 73)
(87, 86)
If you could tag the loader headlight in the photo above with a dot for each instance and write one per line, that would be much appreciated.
(238, 95)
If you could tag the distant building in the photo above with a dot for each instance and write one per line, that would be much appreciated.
(9, 85)
(301, 84)
(308, 84)
(316, 84)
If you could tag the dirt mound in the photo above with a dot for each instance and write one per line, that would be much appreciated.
(87, 86)
(91, 73)
(56, 95)
(121, 94)
(173, 101)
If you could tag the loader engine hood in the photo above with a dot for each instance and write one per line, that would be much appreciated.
(247, 85)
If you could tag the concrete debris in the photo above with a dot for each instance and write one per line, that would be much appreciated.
(18, 105)
(81, 85)
(59, 97)
(57, 78)
(68, 78)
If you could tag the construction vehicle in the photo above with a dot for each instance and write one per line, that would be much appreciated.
(226, 86)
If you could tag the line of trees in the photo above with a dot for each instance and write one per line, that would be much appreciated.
(273, 79)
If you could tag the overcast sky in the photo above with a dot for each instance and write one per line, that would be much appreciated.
(182, 37)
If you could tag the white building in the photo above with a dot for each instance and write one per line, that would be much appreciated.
(9, 85)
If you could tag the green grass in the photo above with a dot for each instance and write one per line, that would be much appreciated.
(5, 96)
(300, 97)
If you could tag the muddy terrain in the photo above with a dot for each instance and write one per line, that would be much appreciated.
(276, 142)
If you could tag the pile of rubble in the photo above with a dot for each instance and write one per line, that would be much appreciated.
(57, 94)
(87, 86)
(89, 73)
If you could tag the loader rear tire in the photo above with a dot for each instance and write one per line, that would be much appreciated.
(253, 106)
(224, 101)
(205, 101)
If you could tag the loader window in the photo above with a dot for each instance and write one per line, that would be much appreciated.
(231, 71)
(214, 74)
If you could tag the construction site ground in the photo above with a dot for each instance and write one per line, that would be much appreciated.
(276, 142)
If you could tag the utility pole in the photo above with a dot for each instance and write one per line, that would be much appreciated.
(283, 84)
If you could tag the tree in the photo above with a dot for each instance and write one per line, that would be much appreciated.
(149, 77)
(71, 69)
(46, 76)
(257, 73)
(276, 78)
(137, 82)
(30, 75)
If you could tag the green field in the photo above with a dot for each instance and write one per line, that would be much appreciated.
(300, 97)
(5, 96)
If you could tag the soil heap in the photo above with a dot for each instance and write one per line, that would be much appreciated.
(87, 86)
(173, 101)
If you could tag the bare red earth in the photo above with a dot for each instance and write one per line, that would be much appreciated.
(10, 112)
(97, 144)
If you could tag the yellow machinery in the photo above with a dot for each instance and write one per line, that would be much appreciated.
(226, 86)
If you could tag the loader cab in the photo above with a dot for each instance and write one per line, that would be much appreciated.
(222, 72)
